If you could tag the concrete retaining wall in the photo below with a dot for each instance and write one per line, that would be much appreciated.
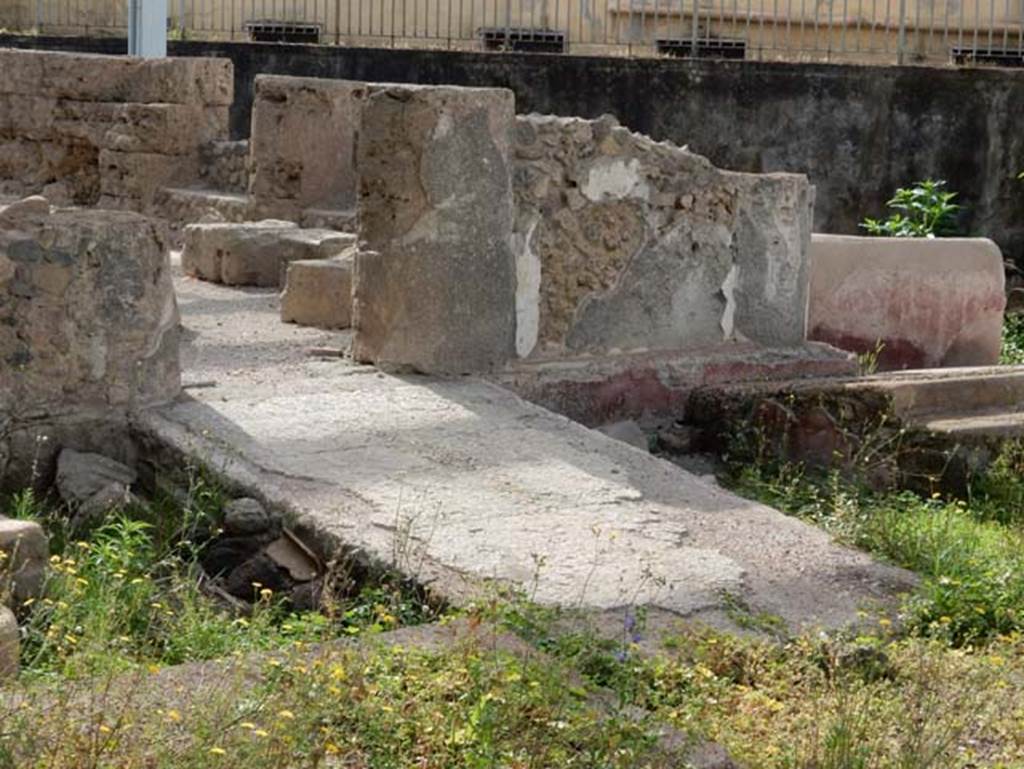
(920, 302)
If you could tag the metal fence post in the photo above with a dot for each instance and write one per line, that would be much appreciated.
(39, 15)
(901, 39)
(694, 30)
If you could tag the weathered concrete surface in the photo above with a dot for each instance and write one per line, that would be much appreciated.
(626, 244)
(928, 302)
(319, 292)
(89, 331)
(437, 291)
(107, 129)
(460, 482)
(255, 253)
(303, 145)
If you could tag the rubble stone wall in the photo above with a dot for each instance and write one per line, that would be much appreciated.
(627, 244)
(88, 330)
(107, 130)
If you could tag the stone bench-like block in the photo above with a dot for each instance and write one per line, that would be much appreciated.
(319, 292)
(437, 292)
(255, 253)
(924, 303)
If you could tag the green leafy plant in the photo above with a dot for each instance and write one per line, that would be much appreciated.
(925, 210)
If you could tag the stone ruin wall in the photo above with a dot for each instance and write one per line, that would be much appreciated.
(88, 332)
(627, 244)
(107, 130)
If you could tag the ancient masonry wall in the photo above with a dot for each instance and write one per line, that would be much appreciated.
(627, 244)
(88, 332)
(107, 130)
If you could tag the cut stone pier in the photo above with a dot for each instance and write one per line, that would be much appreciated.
(255, 253)
(435, 204)
(319, 293)
(89, 332)
(303, 144)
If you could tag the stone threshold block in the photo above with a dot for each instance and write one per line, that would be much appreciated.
(255, 253)
(912, 302)
(319, 292)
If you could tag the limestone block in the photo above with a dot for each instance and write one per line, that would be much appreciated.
(24, 551)
(139, 176)
(437, 293)
(303, 140)
(178, 80)
(13, 215)
(27, 116)
(254, 253)
(627, 244)
(926, 302)
(10, 644)
(90, 320)
(319, 293)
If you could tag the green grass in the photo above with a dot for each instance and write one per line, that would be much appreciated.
(970, 554)
(938, 689)
(1012, 350)
(129, 595)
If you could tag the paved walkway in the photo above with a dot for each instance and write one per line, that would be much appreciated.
(459, 481)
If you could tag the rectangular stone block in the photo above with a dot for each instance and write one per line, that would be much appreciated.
(184, 80)
(166, 129)
(255, 253)
(435, 206)
(303, 140)
(90, 320)
(27, 117)
(139, 176)
(23, 71)
(319, 293)
(918, 302)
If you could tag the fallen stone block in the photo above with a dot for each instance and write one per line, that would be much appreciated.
(437, 291)
(92, 484)
(908, 302)
(254, 253)
(10, 644)
(319, 293)
(24, 553)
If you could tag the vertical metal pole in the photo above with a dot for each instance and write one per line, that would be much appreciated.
(39, 15)
(694, 29)
(901, 38)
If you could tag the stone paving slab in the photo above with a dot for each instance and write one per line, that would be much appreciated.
(459, 482)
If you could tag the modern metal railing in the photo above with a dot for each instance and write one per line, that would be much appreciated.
(867, 31)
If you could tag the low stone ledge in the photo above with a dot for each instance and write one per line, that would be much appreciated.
(916, 302)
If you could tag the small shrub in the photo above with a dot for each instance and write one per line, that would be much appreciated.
(925, 210)
(1011, 352)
